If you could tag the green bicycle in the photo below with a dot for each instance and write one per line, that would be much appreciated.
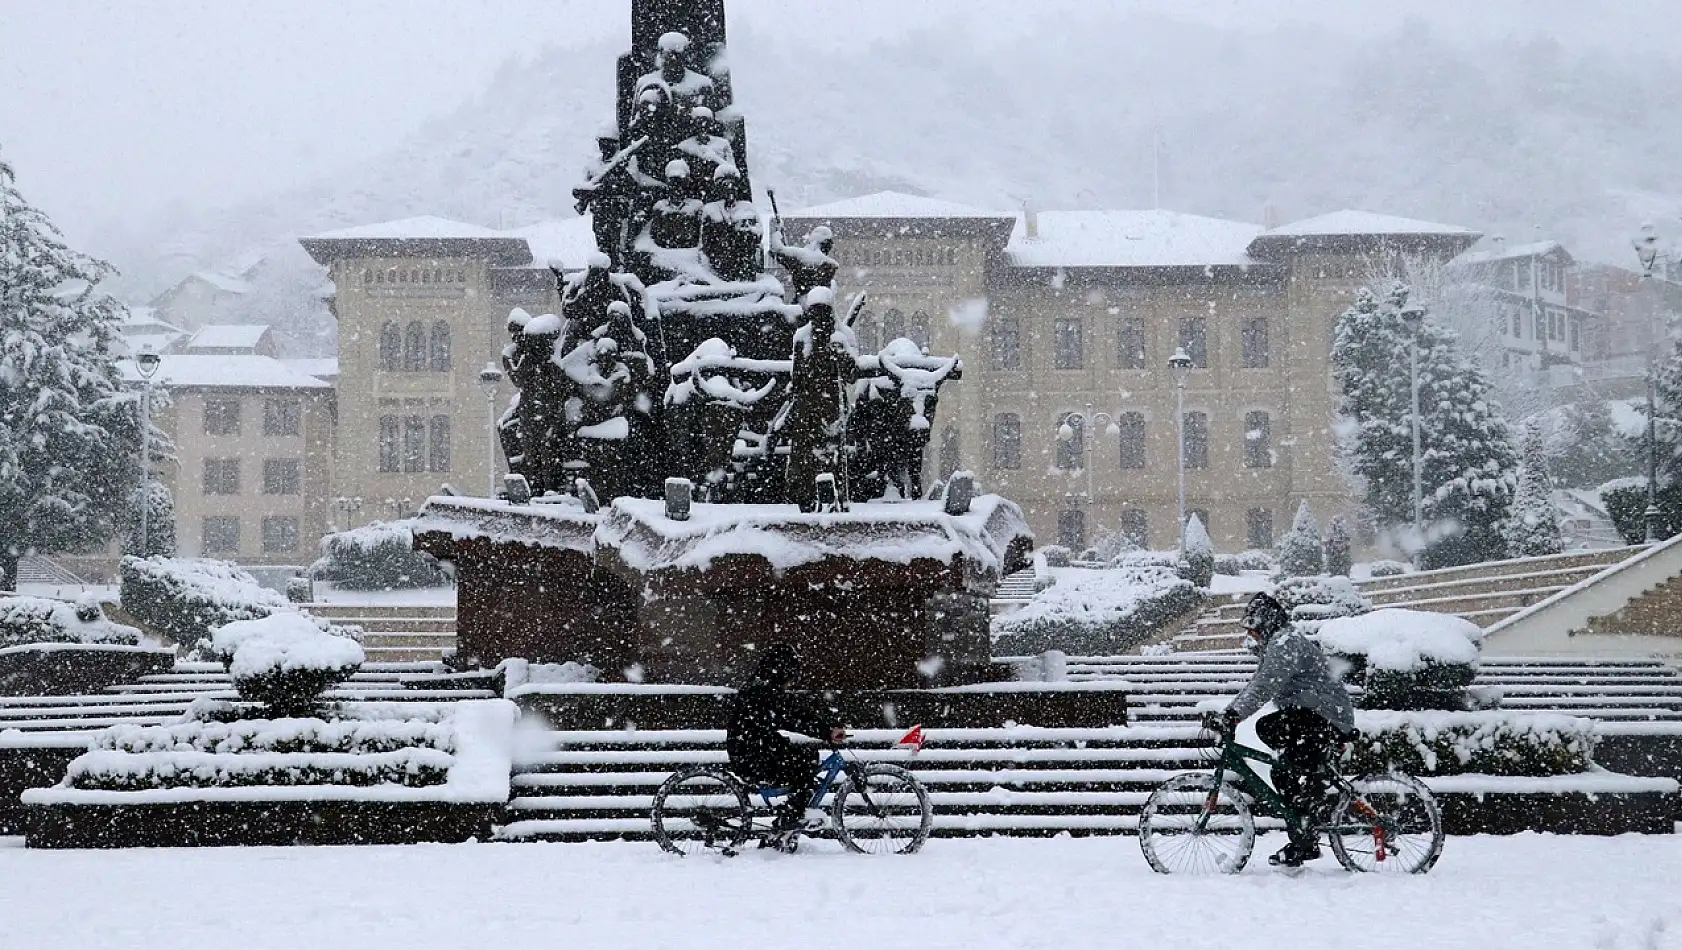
(1203, 821)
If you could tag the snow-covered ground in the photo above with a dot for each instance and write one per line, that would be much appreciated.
(1531, 892)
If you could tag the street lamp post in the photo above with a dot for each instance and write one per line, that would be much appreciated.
(1089, 421)
(1179, 369)
(1414, 316)
(489, 378)
(147, 363)
(1647, 250)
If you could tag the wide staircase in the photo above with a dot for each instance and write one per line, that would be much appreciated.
(396, 634)
(1482, 593)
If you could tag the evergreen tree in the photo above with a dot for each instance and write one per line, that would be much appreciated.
(1340, 558)
(1299, 550)
(160, 521)
(1585, 449)
(1198, 553)
(1468, 465)
(69, 434)
(1532, 528)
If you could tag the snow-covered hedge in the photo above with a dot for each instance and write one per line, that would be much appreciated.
(377, 556)
(1100, 613)
(285, 660)
(1314, 600)
(1138, 559)
(1483, 743)
(26, 620)
(1406, 659)
(1251, 560)
(126, 772)
(188, 598)
(1056, 555)
(347, 736)
(1387, 569)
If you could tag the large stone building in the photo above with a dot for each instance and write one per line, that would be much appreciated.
(1055, 313)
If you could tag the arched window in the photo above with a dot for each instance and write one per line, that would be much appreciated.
(893, 326)
(918, 330)
(440, 350)
(1132, 426)
(414, 348)
(1007, 441)
(391, 347)
(1194, 451)
(1071, 528)
(438, 456)
(1071, 450)
(414, 444)
(389, 457)
(1258, 440)
(870, 341)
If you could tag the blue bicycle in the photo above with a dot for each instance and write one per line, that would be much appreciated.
(877, 809)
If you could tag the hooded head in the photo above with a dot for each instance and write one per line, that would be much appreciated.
(1264, 617)
(778, 665)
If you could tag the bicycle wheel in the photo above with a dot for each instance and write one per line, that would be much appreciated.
(891, 814)
(1390, 823)
(701, 809)
(1169, 832)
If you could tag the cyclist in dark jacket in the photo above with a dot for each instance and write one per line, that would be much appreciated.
(759, 752)
(1314, 716)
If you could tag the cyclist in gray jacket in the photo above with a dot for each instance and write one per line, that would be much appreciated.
(1314, 717)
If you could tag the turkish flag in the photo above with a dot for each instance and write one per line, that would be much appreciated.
(912, 740)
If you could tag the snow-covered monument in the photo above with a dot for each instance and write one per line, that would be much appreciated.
(702, 459)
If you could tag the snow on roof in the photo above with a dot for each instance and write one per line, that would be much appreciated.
(229, 336)
(570, 241)
(1351, 222)
(145, 320)
(1499, 252)
(319, 367)
(425, 227)
(894, 204)
(224, 372)
(223, 282)
(1130, 239)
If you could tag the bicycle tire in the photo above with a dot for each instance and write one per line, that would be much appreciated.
(1411, 824)
(896, 819)
(715, 816)
(1170, 840)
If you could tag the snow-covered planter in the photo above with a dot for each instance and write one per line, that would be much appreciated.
(285, 661)
(1254, 559)
(187, 598)
(1314, 600)
(377, 556)
(1481, 743)
(1102, 612)
(1405, 659)
(1387, 569)
(29, 620)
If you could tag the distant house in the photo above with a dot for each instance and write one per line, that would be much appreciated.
(1538, 325)
(232, 339)
(208, 296)
(143, 331)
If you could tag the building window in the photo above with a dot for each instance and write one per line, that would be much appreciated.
(221, 476)
(865, 330)
(1556, 325)
(439, 354)
(1194, 339)
(391, 347)
(1518, 322)
(1130, 343)
(1521, 274)
(1256, 353)
(1132, 426)
(280, 477)
(1575, 326)
(918, 330)
(1134, 528)
(1195, 451)
(414, 348)
(282, 416)
(1007, 343)
(1007, 441)
(1536, 321)
(221, 417)
(893, 326)
(1071, 529)
(388, 444)
(1070, 450)
(280, 535)
(221, 536)
(1067, 332)
(1258, 440)
(438, 448)
(414, 444)
(1258, 528)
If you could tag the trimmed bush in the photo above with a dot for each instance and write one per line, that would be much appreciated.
(1137, 559)
(1107, 612)
(1251, 560)
(1056, 555)
(1405, 659)
(1387, 569)
(285, 661)
(377, 556)
(1198, 553)
(1300, 553)
(126, 772)
(186, 599)
(1313, 600)
(1483, 743)
(27, 620)
(1340, 557)
(1626, 504)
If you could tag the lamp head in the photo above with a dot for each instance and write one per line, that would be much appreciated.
(147, 361)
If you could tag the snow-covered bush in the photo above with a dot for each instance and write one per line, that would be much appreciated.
(1340, 556)
(1300, 553)
(1254, 559)
(347, 736)
(1405, 659)
(377, 556)
(1313, 600)
(1387, 569)
(160, 521)
(1626, 504)
(122, 772)
(1482, 743)
(300, 590)
(26, 620)
(187, 598)
(1532, 528)
(1199, 553)
(1104, 612)
(1136, 559)
(285, 661)
(1056, 555)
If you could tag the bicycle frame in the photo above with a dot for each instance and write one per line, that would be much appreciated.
(1235, 758)
(831, 767)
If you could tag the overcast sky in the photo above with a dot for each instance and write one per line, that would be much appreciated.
(113, 109)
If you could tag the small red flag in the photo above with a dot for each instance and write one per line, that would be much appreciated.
(912, 740)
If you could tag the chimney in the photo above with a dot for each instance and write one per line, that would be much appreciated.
(1270, 217)
(1030, 221)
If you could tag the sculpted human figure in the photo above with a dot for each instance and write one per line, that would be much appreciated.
(825, 367)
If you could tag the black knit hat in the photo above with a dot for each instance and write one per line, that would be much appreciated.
(778, 665)
(1265, 616)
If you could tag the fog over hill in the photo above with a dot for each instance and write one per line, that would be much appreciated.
(1520, 138)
